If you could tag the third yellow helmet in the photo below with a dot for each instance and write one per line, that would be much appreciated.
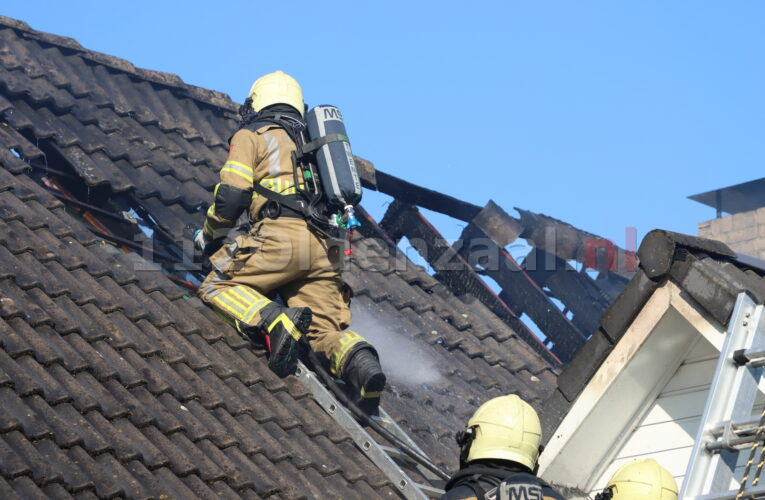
(276, 88)
(644, 480)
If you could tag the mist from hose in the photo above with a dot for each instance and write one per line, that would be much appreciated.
(403, 360)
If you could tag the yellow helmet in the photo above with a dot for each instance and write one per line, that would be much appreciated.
(276, 88)
(644, 480)
(505, 428)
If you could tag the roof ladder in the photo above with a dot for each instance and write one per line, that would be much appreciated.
(728, 425)
(387, 458)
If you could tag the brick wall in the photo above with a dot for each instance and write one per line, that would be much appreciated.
(743, 232)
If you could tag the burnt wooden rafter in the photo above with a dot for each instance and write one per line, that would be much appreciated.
(578, 292)
(525, 289)
(451, 268)
(520, 289)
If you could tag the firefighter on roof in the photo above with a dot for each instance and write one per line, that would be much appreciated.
(640, 480)
(292, 248)
(498, 454)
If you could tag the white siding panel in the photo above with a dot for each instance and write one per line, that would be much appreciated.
(648, 439)
(676, 406)
(667, 431)
(692, 375)
(703, 350)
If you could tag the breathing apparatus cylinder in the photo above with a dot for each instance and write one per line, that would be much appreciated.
(334, 161)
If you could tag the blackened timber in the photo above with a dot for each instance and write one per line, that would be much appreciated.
(367, 172)
(576, 290)
(569, 243)
(415, 195)
(453, 271)
(475, 246)
(497, 224)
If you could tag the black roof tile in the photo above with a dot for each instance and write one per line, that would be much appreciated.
(14, 344)
(201, 490)
(167, 379)
(120, 483)
(137, 413)
(144, 441)
(158, 343)
(164, 420)
(50, 389)
(90, 439)
(213, 463)
(124, 333)
(172, 485)
(101, 482)
(41, 471)
(150, 485)
(312, 424)
(108, 405)
(26, 488)
(183, 418)
(24, 384)
(59, 320)
(75, 479)
(8, 422)
(209, 395)
(120, 443)
(219, 364)
(82, 399)
(11, 463)
(271, 437)
(192, 356)
(19, 238)
(16, 303)
(90, 321)
(216, 431)
(127, 304)
(255, 472)
(98, 366)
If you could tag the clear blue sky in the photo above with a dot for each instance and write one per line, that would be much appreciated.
(604, 114)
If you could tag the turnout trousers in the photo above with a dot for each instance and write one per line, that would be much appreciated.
(282, 256)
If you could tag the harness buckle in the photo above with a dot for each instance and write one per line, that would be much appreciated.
(272, 209)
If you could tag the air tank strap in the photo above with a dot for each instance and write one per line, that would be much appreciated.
(290, 202)
(321, 141)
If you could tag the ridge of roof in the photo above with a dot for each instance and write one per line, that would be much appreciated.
(207, 96)
(657, 250)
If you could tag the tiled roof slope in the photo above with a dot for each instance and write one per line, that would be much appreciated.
(708, 272)
(147, 136)
(132, 130)
(116, 382)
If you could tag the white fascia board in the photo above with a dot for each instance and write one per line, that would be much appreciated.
(625, 385)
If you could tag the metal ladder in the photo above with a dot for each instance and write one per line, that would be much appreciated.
(728, 423)
(386, 458)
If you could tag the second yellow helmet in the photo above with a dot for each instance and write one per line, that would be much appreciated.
(276, 88)
(643, 480)
(506, 428)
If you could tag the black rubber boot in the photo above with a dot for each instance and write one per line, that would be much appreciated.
(281, 329)
(366, 379)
